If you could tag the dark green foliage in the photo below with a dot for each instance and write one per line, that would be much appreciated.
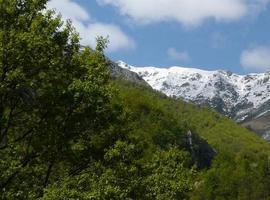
(54, 100)
(243, 177)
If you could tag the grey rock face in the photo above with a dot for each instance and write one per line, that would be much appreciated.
(119, 72)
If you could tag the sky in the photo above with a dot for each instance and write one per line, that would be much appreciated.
(231, 35)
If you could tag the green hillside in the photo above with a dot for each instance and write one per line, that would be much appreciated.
(240, 169)
(154, 159)
(222, 133)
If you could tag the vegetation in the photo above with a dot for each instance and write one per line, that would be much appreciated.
(69, 132)
(240, 169)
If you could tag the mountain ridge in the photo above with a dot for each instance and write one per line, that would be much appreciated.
(243, 98)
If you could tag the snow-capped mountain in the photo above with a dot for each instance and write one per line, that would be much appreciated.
(241, 97)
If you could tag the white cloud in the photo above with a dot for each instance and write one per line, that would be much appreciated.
(187, 12)
(88, 29)
(69, 10)
(256, 59)
(179, 56)
(118, 40)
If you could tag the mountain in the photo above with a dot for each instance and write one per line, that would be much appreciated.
(123, 73)
(244, 98)
(239, 170)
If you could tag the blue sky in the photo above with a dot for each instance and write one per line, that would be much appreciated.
(207, 34)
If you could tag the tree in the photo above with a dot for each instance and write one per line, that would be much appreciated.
(171, 175)
(55, 99)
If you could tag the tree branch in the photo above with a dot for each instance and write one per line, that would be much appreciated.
(48, 173)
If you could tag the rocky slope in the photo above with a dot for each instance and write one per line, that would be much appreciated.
(244, 98)
(118, 72)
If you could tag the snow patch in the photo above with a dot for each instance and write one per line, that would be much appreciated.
(200, 85)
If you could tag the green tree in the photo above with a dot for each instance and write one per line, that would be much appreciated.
(55, 99)
(171, 175)
(118, 176)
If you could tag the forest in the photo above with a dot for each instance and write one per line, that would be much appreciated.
(68, 131)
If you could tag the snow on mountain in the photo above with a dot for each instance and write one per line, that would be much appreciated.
(237, 96)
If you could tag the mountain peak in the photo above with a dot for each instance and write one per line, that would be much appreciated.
(216, 88)
(244, 98)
